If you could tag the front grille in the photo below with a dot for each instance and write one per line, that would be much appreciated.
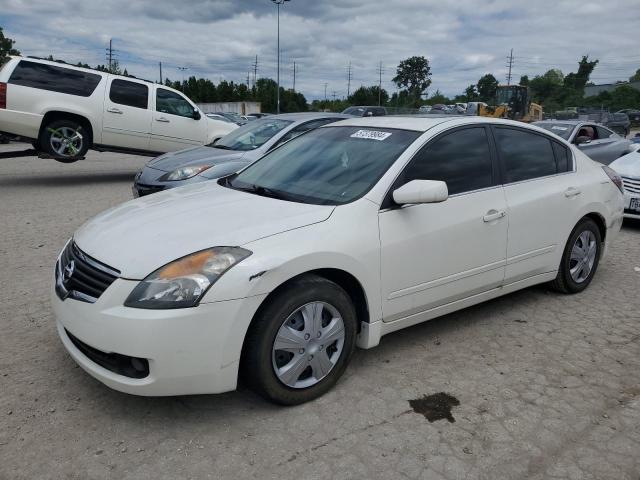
(132, 367)
(631, 185)
(144, 189)
(81, 277)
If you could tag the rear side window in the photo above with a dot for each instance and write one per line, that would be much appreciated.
(524, 155)
(603, 132)
(563, 158)
(54, 78)
(462, 159)
(128, 93)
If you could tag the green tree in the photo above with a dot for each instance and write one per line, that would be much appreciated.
(487, 88)
(368, 96)
(578, 80)
(524, 80)
(414, 75)
(6, 47)
(635, 77)
(470, 93)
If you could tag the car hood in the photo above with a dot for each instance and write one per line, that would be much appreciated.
(628, 165)
(193, 156)
(144, 234)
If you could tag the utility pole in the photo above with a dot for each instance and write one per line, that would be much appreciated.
(334, 95)
(380, 84)
(325, 91)
(255, 71)
(295, 69)
(349, 79)
(160, 64)
(278, 3)
(510, 64)
(183, 69)
(110, 55)
(248, 76)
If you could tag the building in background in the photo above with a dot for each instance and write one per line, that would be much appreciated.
(241, 108)
(593, 90)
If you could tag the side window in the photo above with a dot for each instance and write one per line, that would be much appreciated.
(462, 159)
(603, 132)
(172, 103)
(524, 155)
(54, 78)
(563, 158)
(128, 93)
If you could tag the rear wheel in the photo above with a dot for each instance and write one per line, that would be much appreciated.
(65, 140)
(580, 258)
(300, 343)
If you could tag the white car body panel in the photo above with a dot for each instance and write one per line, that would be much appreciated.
(628, 167)
(130, 129)
(413, 263)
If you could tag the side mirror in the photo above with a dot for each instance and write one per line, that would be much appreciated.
(421, 191)
(583, 139)
(196, 114)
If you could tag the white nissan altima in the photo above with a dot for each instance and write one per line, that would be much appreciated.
(352, 231)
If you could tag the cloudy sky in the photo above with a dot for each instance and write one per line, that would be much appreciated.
(219, 39)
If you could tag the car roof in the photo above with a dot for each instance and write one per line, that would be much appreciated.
(302, 116)
(422, 123)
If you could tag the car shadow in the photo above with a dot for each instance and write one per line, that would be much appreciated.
(57, 181)
(20, 153)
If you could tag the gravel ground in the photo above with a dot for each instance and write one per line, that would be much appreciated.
(538, 385)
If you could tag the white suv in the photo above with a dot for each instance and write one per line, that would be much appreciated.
(67, 109)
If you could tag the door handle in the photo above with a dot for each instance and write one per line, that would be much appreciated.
(114, 110)
(162, 119)
(572, 192)
(492, 215)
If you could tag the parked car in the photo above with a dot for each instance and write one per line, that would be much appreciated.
(424, 109)
(619, 123)
(340, 236)
(597, 141)
(229, 154)
(234, 117)
(255, 116)
(217, 116)
(628, 167)
(66, 110)
(633, 114)
(365, 111)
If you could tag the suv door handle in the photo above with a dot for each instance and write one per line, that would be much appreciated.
(162, 119)
(572, 192)
(493, 214)
(114, 110)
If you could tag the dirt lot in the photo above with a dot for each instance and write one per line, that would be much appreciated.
(539, 385)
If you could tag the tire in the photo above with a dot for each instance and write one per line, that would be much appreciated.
(571, 278)
(265, 369)
(65, 140)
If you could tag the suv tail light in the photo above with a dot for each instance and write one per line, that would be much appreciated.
(3, 95)
(614, 177)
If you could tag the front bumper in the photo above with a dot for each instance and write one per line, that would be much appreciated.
(189, 351)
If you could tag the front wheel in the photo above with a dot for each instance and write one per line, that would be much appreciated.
(65, 140)
(580, 258)
(300, 343)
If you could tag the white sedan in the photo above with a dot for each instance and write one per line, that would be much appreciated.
(273, 275)
(628, 166)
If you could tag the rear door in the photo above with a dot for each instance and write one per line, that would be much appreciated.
(542, 194)
(174, 126)
(127, 114)
(603, 147)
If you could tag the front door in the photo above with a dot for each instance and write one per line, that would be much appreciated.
(174, 126)
(127, 114)
(437, 253)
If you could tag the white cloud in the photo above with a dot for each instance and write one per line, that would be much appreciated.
(220, 39)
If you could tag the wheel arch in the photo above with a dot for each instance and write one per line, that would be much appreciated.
(599, 221)
(54, 115)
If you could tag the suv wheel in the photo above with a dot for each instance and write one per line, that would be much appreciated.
(65, 140)
(300, 343)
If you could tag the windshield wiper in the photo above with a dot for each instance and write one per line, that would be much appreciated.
(262, 191)
(222, 147)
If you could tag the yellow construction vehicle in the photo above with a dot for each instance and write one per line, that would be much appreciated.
(514, 102)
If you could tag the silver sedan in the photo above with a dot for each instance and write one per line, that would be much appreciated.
(596, 141)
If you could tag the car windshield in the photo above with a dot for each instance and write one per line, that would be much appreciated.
(327, 166)
(252, 135)
(561, 129)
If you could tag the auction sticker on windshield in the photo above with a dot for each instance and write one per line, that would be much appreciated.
(371, 135)
(557, 127)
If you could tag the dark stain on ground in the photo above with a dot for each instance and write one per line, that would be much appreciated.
(517, 320)
(435, 407)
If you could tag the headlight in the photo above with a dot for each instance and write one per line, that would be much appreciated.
(183, 282)
(184, 173)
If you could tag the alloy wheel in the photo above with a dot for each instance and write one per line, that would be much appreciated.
(65, 141)
(583, 256)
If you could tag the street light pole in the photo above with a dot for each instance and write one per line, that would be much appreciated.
(278, 3)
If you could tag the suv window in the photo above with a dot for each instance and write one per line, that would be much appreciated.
(54, 79)
(461, 158)
(172, 103)
(128, 93)
(524, 155)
